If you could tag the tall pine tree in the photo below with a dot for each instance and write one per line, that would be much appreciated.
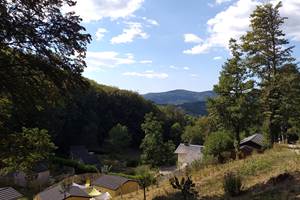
(266, 49)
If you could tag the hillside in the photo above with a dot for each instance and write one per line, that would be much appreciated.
(256, 172)
(194, 108)
(176, 97)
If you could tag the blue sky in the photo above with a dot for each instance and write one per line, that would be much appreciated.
(160, 45)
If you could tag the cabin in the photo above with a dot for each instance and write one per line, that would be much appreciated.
(58, 193)
(9, 193)
(187, 153)
(41, 176)
(115, 185)
(253, 143)
(82, 155)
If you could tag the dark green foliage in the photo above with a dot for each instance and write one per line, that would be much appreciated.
(156, 152)
(186, 187)
(232, 184)
(267, 51)
(197, 132)
(197, 108)
(40, 27)
(22, 151)
(79, 167)
(218, 144)
(119, 137)
(236, 106)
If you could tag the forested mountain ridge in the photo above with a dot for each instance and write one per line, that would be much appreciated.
(176, 97)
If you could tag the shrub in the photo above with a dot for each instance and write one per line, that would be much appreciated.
(232, 184)
(79, 167)
(132, 163)
(217, 144)
(186, 187)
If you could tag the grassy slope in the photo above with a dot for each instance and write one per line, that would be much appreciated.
(256, 171)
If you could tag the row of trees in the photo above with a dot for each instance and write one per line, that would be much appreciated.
(259, 86)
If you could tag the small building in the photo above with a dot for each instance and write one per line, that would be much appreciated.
(251, 144)
(41, 175)
(187, 153)
(81, 154)
(58, 193)
(115, 185)
(9, 193)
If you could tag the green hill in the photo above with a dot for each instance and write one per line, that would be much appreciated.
(176, 97)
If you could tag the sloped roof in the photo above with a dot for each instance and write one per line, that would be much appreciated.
(188, 148)
(110, 181)
(81, 153)
(57, 193)
(9, 193)
(256, 138)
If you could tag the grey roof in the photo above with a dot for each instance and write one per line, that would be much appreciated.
(110, 181)
(57, 193)
(81, 153)
(9, 193)
(188, 148)
(256, 138)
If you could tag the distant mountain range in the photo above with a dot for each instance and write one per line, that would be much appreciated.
(191, 102)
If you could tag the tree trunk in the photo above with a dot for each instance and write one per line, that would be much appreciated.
(144, 193)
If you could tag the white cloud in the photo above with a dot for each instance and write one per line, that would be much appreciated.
(194, 75)
(218, 58)
(151, 21)
(192, 38)
(107, 59)
(222, 1)
(234, 22)
(173, 67)
(147, 74)
(94, 10)
(186, 68)
(146, 61)
(133, 30)
(100, 33)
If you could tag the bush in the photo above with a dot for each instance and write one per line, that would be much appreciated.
(232, 184)
(217, 144)
(132, 163)
(186, 187)
(79, 167)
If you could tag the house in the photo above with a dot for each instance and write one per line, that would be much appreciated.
(9, 193)
(58, 193)
(115, 185)
(41, 175)
(251, 144)
(81, 154)
(187, 153)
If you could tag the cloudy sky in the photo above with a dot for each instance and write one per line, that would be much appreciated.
(160, 45)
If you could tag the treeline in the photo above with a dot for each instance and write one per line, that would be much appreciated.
(259, 86)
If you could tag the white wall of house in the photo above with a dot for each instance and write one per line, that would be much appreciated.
(188, 158)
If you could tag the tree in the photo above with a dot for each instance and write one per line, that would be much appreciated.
(186, 187)
(288, 80)
(267, 51)
(21, 151)
(155, 151)
(234, 107)
(40, 28)
(119, 137)
(217, 144)
(145, 177)
(196, 132)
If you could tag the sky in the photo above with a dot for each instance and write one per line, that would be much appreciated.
(161, 45)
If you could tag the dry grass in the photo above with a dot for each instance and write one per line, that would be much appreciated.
(255, 170)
